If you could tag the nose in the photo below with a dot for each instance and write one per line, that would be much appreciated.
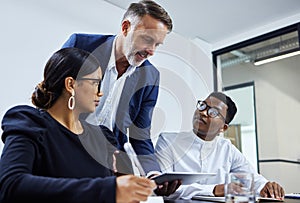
(203, 113)
(150, 52)
(100, 94)
(151, 49)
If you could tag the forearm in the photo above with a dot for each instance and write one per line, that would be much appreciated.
(30, 188)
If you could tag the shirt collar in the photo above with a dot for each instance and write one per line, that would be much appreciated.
(112, 59)
(199, 140)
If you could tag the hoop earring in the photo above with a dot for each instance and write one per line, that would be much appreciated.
(71, 101)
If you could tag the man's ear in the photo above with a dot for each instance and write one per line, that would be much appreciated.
(225, 127)
(125, 27)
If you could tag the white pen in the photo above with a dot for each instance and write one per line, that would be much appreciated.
(131, 153)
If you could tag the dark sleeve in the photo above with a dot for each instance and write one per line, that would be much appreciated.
(111, 145)
(109, 135)
(140, 130)
(18, 182)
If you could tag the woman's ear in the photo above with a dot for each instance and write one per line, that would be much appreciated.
(69, 84)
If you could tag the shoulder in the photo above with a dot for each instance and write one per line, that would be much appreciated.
(22, 119)
(223, 140)
(167, 135)
(226, 144)
(21, 112)
(172, 137)
(91, 41)
(90, 37)
(149, 69)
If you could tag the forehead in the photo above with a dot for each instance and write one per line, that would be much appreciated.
(96, 74)
(151, 26)
(215, 102)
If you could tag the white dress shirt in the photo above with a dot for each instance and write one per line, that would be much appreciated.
(185, 152)
(112, 88)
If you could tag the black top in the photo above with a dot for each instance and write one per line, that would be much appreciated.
(42, 161)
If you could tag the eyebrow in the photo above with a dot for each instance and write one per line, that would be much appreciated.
(216, 107)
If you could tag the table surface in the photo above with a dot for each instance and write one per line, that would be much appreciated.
(286, 200)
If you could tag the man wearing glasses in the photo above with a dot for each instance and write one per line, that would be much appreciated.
(202, 150)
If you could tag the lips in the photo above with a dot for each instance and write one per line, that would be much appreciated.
(143, 54)
(200, 120)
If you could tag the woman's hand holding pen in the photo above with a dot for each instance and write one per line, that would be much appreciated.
(132, 188)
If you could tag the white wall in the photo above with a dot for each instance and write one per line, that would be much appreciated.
(32, 30)
(277, 109)
(186, 75)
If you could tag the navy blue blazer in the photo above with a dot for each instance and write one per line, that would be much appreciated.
(137, 100)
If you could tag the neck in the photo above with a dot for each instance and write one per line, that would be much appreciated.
(121, 66)
(66, 117)
(122, 63)
(204, 137)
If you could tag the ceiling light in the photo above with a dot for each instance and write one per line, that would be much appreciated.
(276, 57)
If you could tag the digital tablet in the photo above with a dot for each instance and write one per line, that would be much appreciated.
(186, 177)
(209, 198)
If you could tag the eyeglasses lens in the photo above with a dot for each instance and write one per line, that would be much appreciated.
(201, 105)
(212, 112)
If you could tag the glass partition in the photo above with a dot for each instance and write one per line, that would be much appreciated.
(276, 99)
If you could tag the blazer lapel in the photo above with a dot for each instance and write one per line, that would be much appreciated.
(103, 52)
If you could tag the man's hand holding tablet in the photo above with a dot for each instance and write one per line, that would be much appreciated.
(164, 188)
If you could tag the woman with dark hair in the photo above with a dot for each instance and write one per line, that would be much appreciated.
(45, 158)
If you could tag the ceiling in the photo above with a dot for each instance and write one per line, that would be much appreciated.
(217, 21)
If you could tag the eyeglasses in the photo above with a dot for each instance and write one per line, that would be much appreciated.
(95, 82)
(211, 111)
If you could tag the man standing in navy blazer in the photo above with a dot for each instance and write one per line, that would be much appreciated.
(130, 82)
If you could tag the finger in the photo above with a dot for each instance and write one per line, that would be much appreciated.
(172, 187)
(162, 189)
(282, 193)
(276, 190)
(271, 190)
(145, 182)
(178, 184)
(145, 192)
(142, 190)
(268, 190)
(137, 197)
(141, 197)
(115, 170)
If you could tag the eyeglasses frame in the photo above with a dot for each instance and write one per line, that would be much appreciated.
(93, 79)
(207, 109)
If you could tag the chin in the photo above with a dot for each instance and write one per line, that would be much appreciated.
(90, 110)
(137, 63)
(134, 62)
